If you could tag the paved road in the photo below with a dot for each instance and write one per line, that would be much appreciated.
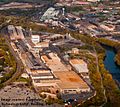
(19, 63)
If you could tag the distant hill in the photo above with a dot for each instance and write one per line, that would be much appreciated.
(29, 1)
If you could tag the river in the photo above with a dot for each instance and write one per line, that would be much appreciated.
(110, 64)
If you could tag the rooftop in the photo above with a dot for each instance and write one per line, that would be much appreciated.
(41, 74)
(69, 79)
(77, 61)
(54, 63)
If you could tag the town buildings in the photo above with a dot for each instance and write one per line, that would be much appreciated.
(15, 32)
(46, 69)
(51, 13)
(35, 39)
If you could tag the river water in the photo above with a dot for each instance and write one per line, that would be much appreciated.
(110, 64)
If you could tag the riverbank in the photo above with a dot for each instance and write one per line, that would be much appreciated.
(110, 59)
(114, 45)
(111, 89)
(110, 64)
(109, 93)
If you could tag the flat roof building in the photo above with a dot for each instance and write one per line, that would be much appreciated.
(70, 82)
(42, 76)
(43, 44)
(50, 14)
(15, 32)
(35, 39)
(79, 65)
(53, 62)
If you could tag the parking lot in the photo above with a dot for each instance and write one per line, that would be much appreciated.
(17, 95)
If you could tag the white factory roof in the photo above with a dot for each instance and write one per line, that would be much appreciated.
(50, 13)
(25, 75)
(11, 27)
(79, 65)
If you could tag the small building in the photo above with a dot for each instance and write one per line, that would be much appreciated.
(66, 57)
(14, 46)
(25, 75)
(71, 83)
(85, 75)
(12, 32)
(75, 50)
(42, 76)
(35, 39)
(107, 27)
(44, 44)
(19, 31)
